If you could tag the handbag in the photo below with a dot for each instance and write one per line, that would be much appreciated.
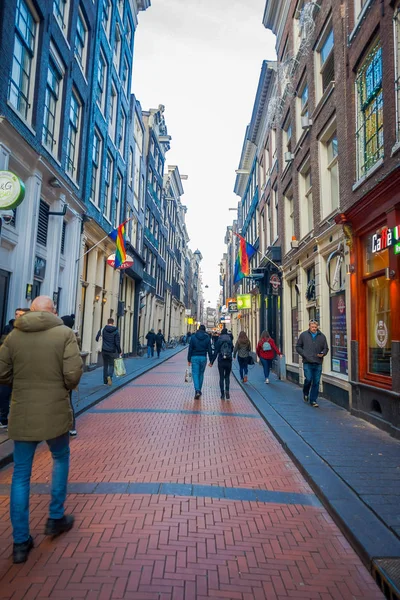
(188, 375)
(119, 367)
(250, 360)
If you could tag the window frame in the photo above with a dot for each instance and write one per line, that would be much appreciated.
(53, 101)
(81, 57)
(74, 130)
(322, 65)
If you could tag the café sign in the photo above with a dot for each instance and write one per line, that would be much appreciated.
(386, 238)
(12, 190)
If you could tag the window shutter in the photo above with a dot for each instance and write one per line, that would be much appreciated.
(43, 223)
(63, 237)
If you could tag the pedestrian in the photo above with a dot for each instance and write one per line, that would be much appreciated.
(110, 349)
(242, 349)
(159, 342)
(6, 390)
(199, 347)
(224, 352)
(214, 338)
(40, 358)
(266, 349)
(188, 336)
(151, 340)
(312, 347)
(69, 321)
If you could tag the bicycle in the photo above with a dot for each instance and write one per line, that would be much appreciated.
(171, 344)
(338, 282)
(140, 349)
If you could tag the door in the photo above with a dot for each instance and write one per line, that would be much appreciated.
(4, 286)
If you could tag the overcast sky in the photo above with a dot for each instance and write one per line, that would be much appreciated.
(202, 60)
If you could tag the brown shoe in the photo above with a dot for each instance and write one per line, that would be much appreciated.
(245, 379)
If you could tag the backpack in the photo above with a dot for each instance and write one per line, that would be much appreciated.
(266, 347)
(226, 350)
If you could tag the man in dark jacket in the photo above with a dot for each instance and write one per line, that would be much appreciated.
(110, 349)
(199, 347)
(224, 352)
(159, 342)
(151, 340)
(312, 347)
(40, 358)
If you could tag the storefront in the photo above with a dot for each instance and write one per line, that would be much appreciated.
(375, 306)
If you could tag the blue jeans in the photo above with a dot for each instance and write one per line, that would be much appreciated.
(243, 366)
(266, 363)
(150, 351)
(199, 364)
(20, 487)
(312, 374)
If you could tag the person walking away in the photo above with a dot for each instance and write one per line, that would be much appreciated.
(151, 340)
(266, 349)
(242, 349)
(188, 336)
(40, 358)
(159, 342)
(312, 347)
(5, 390)
(224, 352)
(110, 349)
(199, 347)
(69, 321)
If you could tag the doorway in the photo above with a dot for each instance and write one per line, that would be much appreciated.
(4, 287)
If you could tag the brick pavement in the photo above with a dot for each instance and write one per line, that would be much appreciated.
(168, 545)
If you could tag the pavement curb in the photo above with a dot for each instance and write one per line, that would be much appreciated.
(6, 448)
(368, 535)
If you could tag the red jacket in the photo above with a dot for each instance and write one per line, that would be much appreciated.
(269, 354)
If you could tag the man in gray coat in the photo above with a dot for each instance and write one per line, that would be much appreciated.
(312, 347)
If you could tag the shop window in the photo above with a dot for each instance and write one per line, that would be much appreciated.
(369, 111)
(295, 318)
(338, 325)
(378, 308)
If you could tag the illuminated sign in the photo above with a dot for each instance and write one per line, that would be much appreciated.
(244, 301)
(387, 237)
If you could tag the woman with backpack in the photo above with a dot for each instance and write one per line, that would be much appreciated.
(242, 350)
(266, 349)
(224, 352)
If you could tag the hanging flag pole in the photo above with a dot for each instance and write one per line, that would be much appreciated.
(102, 240)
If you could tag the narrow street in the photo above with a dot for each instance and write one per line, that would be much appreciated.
(176, 498)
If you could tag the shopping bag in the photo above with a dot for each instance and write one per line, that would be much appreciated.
(119, 367)
(188, 375)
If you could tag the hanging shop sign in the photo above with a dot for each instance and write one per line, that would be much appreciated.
(232, 306)
(244, 301)
(386, 238)
(190, 321)
(125, 265)
(12, 190)
(275, 281)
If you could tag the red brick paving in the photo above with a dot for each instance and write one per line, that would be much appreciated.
(166, 547)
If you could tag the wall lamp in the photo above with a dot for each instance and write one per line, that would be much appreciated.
(350, 269)
(97, 298)
(390, 273)
(55, 183)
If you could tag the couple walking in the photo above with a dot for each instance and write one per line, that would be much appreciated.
(199, 348)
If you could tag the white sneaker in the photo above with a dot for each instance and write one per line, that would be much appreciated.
(267, 380)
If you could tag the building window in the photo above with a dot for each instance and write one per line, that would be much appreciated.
(121, 138)
(64, 228)
(51, 106)
(108, 174)
(43, 223)
(112, 112)
(396, 23)
(295, 318)
(338, 310)
(61, 12)
(302, 108)
(369, 112)
(305, 199)
(21, 88)
(117, 48)
(74, 128)
(287, 142)
(329, 169)
(125, 76)
(101, 81)
(106, 17)
(275, 223)
(81, 41)
(129, 33)
(96, 157)
(325, 63)
(118, 200)
(378, 309)
(289, 219)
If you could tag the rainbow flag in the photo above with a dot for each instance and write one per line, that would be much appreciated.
(118, 235)
(242, 264)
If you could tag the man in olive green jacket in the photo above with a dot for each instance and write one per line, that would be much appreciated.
(40, 358)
